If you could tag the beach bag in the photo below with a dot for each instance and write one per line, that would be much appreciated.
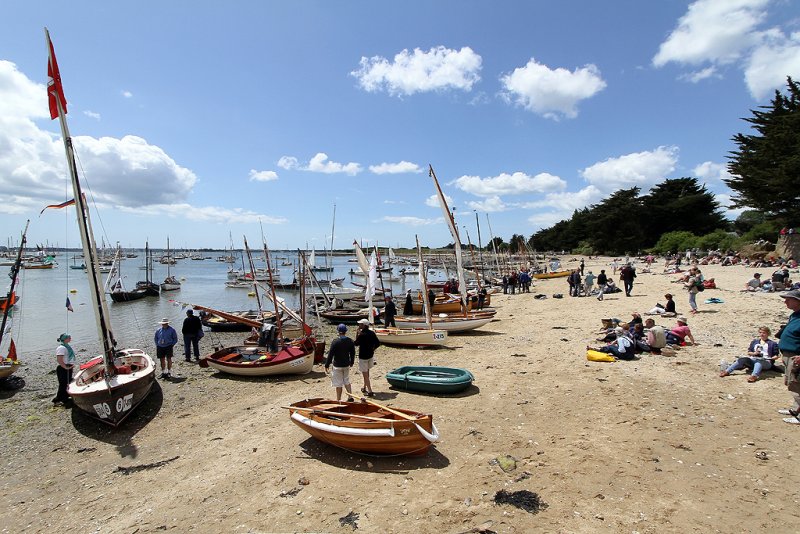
(597, 356)
(700, 286)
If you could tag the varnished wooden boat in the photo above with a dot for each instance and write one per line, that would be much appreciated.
(454, 322)
(411, 337)
(430, 379)
(221, 324)
(112, 399)
(246, 360)
(344, 316)
(556, 274)
(364, 427)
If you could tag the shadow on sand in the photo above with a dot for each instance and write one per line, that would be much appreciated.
(355, 461)
(9, 386)
(122, 436)
(268, 378)
(469, 392)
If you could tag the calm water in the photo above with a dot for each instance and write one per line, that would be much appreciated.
(41, 315)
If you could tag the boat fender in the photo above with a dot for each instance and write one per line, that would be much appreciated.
(597, 356)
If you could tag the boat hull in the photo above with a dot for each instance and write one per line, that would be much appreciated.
(421, 337)
(450, 324)
(8, 369)
(112, 401)
(557, 274)
(127, 296)
(245, 360)
(430, 379)
(390, 434)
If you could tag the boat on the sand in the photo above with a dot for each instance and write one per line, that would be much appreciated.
(430, 379)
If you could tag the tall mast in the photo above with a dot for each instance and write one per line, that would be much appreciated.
(424, 282)
(14, 272)
(480, 246)
(272, 285)
(462, 283)
(102, 318)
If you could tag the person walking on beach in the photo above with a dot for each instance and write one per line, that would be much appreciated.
(626, 275)
(693, 286)
(602, 280)
(165, 339)
(582, 265)
(192, 331)
(342, 355)
(367, 342)
(65, 357)
(588, 283)
(389, 312)
(789, 345)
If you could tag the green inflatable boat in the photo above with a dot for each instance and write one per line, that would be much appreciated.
(430, 379)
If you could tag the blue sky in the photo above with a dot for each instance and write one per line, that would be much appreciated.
(199, 119)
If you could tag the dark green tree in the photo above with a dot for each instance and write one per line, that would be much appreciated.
(766, 165)
(616, 223)
(680, 204)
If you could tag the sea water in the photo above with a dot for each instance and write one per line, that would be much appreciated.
(41, 314)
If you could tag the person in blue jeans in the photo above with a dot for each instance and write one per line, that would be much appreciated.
(761, 354)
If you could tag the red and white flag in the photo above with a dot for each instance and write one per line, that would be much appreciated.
(54, 88)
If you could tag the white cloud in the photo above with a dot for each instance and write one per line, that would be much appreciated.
(117, 172)
(641, 169)
(92, 114)
(489, 205)
(438, 69)
(433, 200)
(412, 221)
(319, 163)
(263, 176)
(517, 183)
(562, 205)
(206, 214)
(717, 31)
(700, 75)
(395, 168)
(552, 93)
(771, 62)
(288, 163)
(710, 171)
(127, 94)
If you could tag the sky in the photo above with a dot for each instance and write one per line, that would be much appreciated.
(199, 120)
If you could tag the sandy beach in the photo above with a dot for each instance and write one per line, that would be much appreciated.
(661, 444)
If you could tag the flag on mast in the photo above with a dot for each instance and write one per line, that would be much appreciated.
(69, 305)
(54, 87)
(58, 206)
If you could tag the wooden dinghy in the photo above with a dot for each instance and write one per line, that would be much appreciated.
(112, 399)
(245, 360)
(455, 322)
(430, 379)
(218, 323)
(366, 426)
(8, 367)
(556, 274)
(344, 316)
(411, 337)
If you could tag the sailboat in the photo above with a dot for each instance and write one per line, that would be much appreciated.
(114, 285)
(112, 385)
(147, 285)
(274, 356)
(170, 283)
(9, 363)
(452, 322)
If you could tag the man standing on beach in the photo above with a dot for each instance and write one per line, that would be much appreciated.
(602, 280)
(789, 345)
(165, 338)
(389, 312)
(627, 274)
(343, 355)
(367, 342)
(192, 331)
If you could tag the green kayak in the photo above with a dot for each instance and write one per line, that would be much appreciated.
(430, 379)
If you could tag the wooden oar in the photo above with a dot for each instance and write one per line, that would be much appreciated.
(339, 414)
(390, 410)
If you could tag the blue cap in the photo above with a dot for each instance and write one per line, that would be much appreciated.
(341, 328)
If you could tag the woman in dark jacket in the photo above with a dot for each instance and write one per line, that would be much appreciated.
(761, 353)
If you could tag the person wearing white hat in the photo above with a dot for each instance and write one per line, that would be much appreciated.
(165, 338)
(367, 342)
(789, 345)
(342, 355)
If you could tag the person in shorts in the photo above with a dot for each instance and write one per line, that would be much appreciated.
(165, 339)
(367, 341)
(342, 355)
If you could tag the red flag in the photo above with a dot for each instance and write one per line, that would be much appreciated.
(54, 88)
(12, 351)
(58, 206)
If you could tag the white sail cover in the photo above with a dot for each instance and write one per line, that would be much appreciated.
(448, 217)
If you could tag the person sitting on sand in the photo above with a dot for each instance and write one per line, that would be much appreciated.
(754, 284)
(680, 332)
(622, 348)
(761, 354)
(656, 336)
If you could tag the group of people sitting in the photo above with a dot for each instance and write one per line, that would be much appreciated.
(627, 340)
(779, 281)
